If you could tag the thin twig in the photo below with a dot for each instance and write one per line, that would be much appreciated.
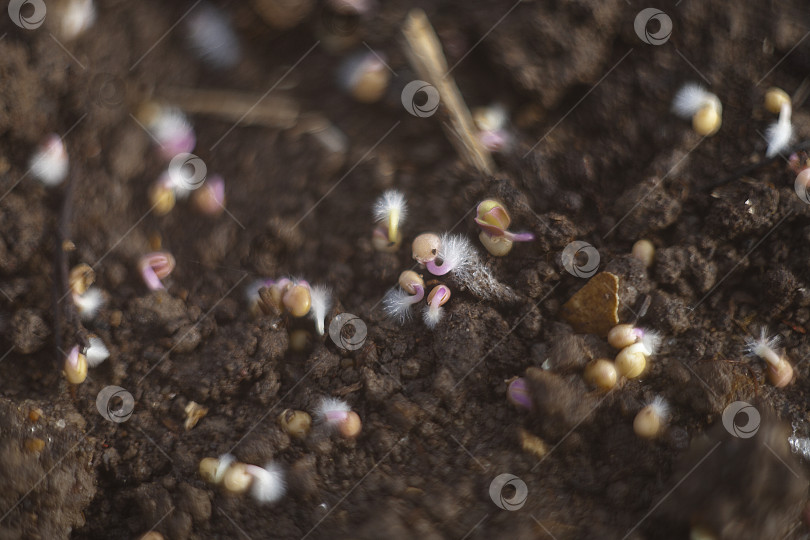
(273, 111)
(426, 57)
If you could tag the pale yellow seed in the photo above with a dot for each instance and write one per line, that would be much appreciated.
(161, 198)
(236, 479)
(295, 423)
(425, 247)
(408, 279)
(601, 373)
(630, 362)
(380, 242)
(707, 120)
(80, 278)
(621, 336)
(371, 86)
(152, 535)
(775, 98)
(350, 428)
(644, 250)
(297, 300)
(496, 245)
(78, 374)
(208, 469)
(648, 423)
(780, 374)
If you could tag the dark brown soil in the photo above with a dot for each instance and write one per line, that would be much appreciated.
(599, 157)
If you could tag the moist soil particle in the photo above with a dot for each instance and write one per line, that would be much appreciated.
(597, 157)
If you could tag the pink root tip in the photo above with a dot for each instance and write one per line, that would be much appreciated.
(336, 417)
(437, 270)
(519, 237)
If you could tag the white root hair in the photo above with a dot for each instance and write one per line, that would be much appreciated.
(97, 352)
(321, 303)
(780, 132)
(268, 482)
(390, 201)
(691, 98)
(397, 305)
(432, 315)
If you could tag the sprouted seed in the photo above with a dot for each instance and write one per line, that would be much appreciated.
(337, 415)
(494, 221)
(154, 267)
(365, 76)
(435, 300)
(390, 211)
(397, 302)
(651, 420)
(703, 107)
(780, 372)
(75, 366)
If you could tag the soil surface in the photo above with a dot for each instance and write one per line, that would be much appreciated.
(597, 157)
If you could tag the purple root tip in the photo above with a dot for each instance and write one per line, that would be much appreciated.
(518, 394)
(519, 237)
(437, 270)
(417, 297)
(151, 279)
